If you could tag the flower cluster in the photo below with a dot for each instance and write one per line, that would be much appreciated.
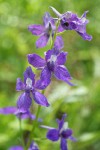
(52, 65)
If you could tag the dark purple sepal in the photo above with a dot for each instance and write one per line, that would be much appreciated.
(59, 43)
(36, 29)
(45, 79)
(24, 114)
(66, 133)
(8, 110)
(24, 101)
(60, 29)
(72, 138)
(29, 74)
(16, 148)
(33, 146)
(19, 85)
(42, 41)
(40, 99)
(61, 73)
(48, 54)
(85, 36)
(61, 122)
(63, 144)
(36, 61)
(53, 135)
(61, 58)
(46, 19)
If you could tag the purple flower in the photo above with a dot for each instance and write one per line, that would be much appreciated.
(30, 92)
(33, 146)
(53, 64)
(15, 111)
(44, 31)
(70, 21)
(16, 148)
(62, 132)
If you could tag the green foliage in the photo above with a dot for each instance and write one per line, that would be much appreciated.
(82, 102)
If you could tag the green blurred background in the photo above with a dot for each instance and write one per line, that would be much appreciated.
(81, 103)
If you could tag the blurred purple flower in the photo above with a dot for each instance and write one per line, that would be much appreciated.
(53, 63)
(30, 92)
(44, 31)
(19, 113)
(62, 132)
(70, 21)
(33, 146)
(16, 148)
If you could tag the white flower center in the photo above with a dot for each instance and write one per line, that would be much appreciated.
(68, 14)
(28, 82)
(53, 58)
(83, 19)
(65, 126)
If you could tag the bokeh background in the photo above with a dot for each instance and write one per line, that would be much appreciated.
(82, 102)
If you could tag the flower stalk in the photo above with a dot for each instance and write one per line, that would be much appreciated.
(33, 128)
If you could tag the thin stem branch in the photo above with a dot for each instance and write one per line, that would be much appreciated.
(33, 128)
(21, 133)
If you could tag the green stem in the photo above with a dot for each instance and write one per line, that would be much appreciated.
(33, 128)
(21, 133)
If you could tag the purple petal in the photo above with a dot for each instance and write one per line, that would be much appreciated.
(45, 79)
(46, 19)
(36, 29)
(61, 122)
(33, 146)
(48, 54)
(16, 148)
(84, 15)
(59, 44)
(19, 85)
(63, 144)
(40, 99)
(85, 36)
(8, 110)
(24, 101)
(60, 28)
(61, 58)
(42, 41)
(28, 74)
(72, 139)
(36, 61)
(72, 25)
(53, 135)
(61, 73)
(66, 133)
(53, 26)
(24, 114)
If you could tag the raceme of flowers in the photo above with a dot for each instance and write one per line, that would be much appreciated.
(52, 65)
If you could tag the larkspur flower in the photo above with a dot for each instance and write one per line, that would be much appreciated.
(44, 31)
(16, 148)
(33, 146)
(30, 92)
(70, 21)
(22, 114)
(53, 64)
(62, 132)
